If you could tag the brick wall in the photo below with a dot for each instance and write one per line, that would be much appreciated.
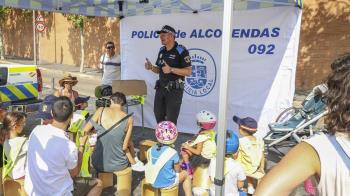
(60, 43)
(18, 35)
(325, 33)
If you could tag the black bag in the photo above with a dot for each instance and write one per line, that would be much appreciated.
(103, 91)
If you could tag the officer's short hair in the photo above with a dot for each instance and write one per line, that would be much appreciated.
(62, 109)
(118, 98)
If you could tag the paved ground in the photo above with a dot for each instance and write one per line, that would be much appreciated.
(90, 79)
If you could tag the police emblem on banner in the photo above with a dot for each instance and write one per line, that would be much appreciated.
(203, 78)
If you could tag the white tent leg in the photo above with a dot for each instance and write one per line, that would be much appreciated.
(225, 59)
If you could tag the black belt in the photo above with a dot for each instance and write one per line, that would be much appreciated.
(177, 84)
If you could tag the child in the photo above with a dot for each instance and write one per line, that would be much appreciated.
(44, 112)
(162, 169)
(203, 148)
(251, 151)
(15, 147)
(233, 170)
(81, 103)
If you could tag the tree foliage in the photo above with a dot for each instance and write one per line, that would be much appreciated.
(78, 20)
(3, 13)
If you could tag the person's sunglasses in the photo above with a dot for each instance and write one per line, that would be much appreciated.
(110, 47)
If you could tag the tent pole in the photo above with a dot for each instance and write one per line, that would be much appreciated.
(224, 73)
(34, 39)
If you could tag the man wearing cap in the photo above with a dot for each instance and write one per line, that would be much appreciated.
(110, 64)
(173, 64)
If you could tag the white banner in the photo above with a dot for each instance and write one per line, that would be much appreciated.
(263, 64)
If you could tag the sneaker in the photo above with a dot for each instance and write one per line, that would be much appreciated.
(251, 190)
(138, 166)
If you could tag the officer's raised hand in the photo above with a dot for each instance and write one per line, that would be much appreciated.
(148, 65)
(166, 68)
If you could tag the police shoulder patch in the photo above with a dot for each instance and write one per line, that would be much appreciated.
(180, 48)
(162, 48)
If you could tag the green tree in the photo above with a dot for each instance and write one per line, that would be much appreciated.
(78, 21)
(4, 11)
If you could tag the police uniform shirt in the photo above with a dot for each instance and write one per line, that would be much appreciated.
(177, 57)
(111, 68)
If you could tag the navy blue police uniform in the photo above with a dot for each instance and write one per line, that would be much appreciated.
(170, 87)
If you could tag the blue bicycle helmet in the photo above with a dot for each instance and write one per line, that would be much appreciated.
(232, 142)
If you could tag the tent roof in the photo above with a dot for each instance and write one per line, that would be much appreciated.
(114, 8)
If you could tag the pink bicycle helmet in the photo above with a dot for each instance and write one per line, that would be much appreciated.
(166, 132)
(206, 119)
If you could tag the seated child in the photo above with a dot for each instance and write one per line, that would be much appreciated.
(15, 147)
(233, 170)
(81, 103)
(44, 112)
(203, 148)
(80, 118)
(163, 169)
(251, 151)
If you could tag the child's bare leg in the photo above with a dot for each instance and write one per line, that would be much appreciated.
(250, 182)
(186, 163)
(185, 157)
(185, 179)
(136, 164)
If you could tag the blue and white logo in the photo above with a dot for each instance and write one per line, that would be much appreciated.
(203, 78)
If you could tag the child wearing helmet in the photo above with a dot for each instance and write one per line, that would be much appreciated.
(233, 170)
(203, 148)
(163, 169)
(251, 150)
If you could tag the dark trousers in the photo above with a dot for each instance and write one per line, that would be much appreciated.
(167, 104)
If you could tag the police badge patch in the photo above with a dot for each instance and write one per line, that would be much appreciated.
(203, 78)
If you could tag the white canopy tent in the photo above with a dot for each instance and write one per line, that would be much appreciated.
(113, 8)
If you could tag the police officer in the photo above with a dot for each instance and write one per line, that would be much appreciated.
(172, 65)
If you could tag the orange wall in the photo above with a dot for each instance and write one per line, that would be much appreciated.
(18, 35)
(61, 41)
(325, 34)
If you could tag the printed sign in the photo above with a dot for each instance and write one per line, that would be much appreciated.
(264, 48)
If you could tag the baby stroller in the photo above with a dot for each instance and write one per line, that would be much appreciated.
(295, 124)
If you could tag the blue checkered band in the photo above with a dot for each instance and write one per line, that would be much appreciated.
(115, 8)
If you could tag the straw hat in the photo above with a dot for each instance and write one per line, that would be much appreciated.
(68, 78)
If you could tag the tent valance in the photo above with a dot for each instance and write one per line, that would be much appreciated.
(113, 8)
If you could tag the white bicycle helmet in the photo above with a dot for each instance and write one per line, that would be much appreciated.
(206, 119)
